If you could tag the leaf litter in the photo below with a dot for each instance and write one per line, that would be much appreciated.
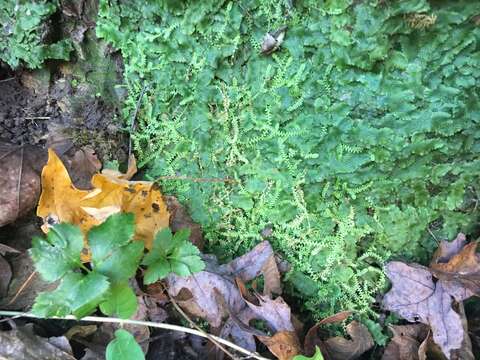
(217, 294)
(429, 295)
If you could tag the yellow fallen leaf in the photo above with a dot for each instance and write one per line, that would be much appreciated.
(60, 201)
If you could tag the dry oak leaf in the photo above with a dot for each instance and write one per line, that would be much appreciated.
(415, 297)
(61, 201)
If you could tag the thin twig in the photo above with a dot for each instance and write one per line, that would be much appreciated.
(192, 179)
(193, 324)
(141, 323)
(9, 79)
(132, 125)
(9, 152)
(37, 118)
(19, 182)
(24, 285)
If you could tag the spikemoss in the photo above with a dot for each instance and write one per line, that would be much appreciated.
(353, 142)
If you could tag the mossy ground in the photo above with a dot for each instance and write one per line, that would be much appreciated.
(355, 142)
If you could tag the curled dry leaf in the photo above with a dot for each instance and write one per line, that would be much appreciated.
(415, 297)
(313, 339)
(276, 313)
(272, 40)
(284, 344)
(406, 342)
(258, 262)
(339, 348)
(338, 317)
(60, 201)
(19, 180)
(448, 249)
(461, 274)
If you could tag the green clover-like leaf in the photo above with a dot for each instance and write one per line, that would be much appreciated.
(124, 347)
(114, 253)
(172, 254)
(59, 252)
(77, 294)
(121, 301)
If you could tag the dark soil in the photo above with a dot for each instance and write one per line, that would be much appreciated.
(23, 115)
(40, 107)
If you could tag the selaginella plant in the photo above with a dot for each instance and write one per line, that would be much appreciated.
(104, 282)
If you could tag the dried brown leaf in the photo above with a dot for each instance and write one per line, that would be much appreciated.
(252, 264)
(406, 342)
(244, 291)
(19, 180)
(448, 249)
(83, 166)
(271, 277)
(313, 338)
(213, 295)
(461, 274)
(464, 262)
(284, 344)
(338, 317)
(202, 301)
(272, 40)
(415, 297)
(276, 313)
(339, 348)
